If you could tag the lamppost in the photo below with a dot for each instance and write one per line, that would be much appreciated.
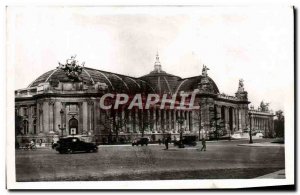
(62, 129)
(180, 121)
(250, 132)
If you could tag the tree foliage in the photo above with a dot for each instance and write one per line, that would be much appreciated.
(279, 124)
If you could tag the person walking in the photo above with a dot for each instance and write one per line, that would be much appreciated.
(203, 144)
(159, 141)
(167, 143)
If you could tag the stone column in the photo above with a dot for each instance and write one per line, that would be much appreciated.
(123, 119)
(57, 117)
(265, 126)
(191, 121)
(240, 120)
(233, 120)
(187, 120)
(154, 119)
(237, 119)
(158, 120)
(259, 123)
(97, 117)
(163, 122)
(218, 108)
(175, 122)
(226, 122)
(136, 118)
(184, 119)
(252, 122)
(39, 116)
(51, 116)
(148, 120)
(167, 113)
(46, 117)
(85, 116)
(80, 117)
(90, 115)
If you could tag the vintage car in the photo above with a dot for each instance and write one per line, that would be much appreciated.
(189, 140)
(70, 145)
(140, 141)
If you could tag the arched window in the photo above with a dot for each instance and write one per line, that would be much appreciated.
(34, 126)
(25, 127)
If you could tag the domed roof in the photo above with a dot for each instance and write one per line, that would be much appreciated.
(162, 82)
(115, 82)
(190, 84)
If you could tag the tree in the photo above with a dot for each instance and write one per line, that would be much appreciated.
(279, 124)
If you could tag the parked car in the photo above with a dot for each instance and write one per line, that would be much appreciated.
(74, 144)
(140, 141)
(189, 140)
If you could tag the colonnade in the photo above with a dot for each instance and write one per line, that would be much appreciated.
(156, 120)
(234, 118)
(261, 123)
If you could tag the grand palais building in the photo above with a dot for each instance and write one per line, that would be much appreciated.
(65, 101)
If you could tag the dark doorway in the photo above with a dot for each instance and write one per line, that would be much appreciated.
(73, 126)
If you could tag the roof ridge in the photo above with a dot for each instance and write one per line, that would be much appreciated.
(111, 72)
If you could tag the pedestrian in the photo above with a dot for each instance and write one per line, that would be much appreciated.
(167, 143)
(203, 144)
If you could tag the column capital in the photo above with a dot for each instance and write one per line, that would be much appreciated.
(90, 102)
(51, 102)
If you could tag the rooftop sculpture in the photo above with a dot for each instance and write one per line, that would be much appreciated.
(71, 68)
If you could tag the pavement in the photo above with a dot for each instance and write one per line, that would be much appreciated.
(275, 175)
(263, 144)
(222, 160)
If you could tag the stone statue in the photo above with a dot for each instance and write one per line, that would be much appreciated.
(264, 107)
(204, 70)
(241, 85)
(72, 69)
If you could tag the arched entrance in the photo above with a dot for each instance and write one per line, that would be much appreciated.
(73, 126)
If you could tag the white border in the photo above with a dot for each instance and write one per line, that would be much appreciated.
(173, 184)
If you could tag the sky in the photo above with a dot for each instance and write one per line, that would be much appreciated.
(252, 43)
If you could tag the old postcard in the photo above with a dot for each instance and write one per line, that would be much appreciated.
(149, 97)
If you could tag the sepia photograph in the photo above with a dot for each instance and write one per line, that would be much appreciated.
(149, 97)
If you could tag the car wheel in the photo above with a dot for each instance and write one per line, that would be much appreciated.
(69, 151)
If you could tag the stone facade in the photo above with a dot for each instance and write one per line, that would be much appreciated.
(57, 104)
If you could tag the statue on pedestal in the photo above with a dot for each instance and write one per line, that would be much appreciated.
(241, 85)
(204, 70)
(72, 68)
(264, 107)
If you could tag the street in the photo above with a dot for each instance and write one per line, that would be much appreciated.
(222, 160)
